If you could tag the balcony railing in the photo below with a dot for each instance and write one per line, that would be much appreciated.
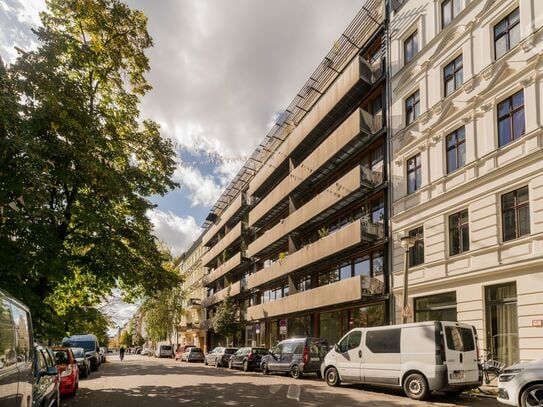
(352, 289)
(227, 240)
(234, 207)
(235, 289)
(194, 303)
(234, 262)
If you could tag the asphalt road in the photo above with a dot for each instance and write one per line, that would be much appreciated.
(141, 381)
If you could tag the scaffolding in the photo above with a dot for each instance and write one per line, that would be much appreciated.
(366, 22)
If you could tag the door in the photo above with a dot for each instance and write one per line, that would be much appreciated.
(349, 356)
(382, 356)
(286, 356)
(460, 353)
(502, 322)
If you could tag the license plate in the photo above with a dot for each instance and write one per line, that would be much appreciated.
(314, 359)
(458, 376)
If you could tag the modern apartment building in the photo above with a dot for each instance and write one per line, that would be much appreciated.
(299, 237)
(192, 329)
(466, 169)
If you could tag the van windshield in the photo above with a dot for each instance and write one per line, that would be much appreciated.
(89, 346)
(460, 339)
(166, 347)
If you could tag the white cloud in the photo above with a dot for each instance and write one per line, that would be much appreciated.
(16, 19)
(176, 232)
(202, 189)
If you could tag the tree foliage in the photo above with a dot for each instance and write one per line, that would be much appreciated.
(126, 339)
(78, 164)
(225, 320)
(162, 314)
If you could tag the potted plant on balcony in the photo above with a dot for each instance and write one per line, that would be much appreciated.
(282, 256)
(323, 232)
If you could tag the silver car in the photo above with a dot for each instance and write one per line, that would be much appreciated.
(193, 354)
(522, 384)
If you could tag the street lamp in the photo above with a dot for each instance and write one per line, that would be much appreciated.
(407, 242)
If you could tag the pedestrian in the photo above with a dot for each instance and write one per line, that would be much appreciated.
(121, 353)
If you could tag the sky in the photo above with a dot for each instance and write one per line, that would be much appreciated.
(221, 72)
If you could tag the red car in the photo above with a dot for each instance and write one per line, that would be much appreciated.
(69, 371)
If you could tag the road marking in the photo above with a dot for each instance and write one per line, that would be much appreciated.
(294, 392)
(274, 388)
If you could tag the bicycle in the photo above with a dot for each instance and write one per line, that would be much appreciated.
(491, 367)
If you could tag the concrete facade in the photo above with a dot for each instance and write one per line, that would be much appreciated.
(492, 263)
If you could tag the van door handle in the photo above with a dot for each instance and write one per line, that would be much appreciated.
(360, 354)
(461, 358)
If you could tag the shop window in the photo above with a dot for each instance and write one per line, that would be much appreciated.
(438, 307)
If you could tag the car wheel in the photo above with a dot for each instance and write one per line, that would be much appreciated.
(532, 396)
(245, 366)
(332, 377)
(205, 362)
(217, 363)
(230, 365)
(295, 372)
(415, 387)
(265, 369)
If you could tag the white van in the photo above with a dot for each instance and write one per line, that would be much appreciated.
(164, 351)
(420, 357)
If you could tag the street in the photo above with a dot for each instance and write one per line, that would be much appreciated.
(141, 381)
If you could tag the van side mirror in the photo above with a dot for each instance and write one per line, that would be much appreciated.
(336, 348)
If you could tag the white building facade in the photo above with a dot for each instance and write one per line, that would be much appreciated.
(467, 166)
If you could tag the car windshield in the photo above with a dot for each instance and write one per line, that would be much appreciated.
(260, 351)
(78, 352)
(61, 357)
(89, 346)
(195, 349)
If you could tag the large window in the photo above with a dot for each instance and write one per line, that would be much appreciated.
(449, 10)
(414, 174)
(453, 76)
(416, 253)
(507, 34)
(511, 124)
(456, 150)
(516, 214)
(412, 108)
(410, 47)
(459, 232)
(384, 341)
(438, 307)
(304, 283)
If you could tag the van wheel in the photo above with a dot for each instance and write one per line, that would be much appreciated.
(332, 377)
(230, 365)
(245, 366)
(295, 372)
(415, 386)
(265, 369)
(217, 362)
(532, 396)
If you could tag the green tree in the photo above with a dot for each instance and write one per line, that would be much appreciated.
(126, 339)
(162, 314)
(225, 320)
(80, 163)
(138, 339)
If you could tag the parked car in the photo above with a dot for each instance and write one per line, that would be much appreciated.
(146, 352)
(88, 342)
(522, 384)
(247, 358)
(17, 367)
(296, 356)
(46, 389)
(192, 354)
(83, 362)
(69, 370)
(219, 356)
(163, 351)
(181, 349)
(411, 356)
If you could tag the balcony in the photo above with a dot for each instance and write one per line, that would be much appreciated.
(353, 83)
(351, 186)
(357, 232)
(194, 304)
(235, 289)
(231, 212)
(236, 261)
(354, 132)
(349, 290)
(231, 237)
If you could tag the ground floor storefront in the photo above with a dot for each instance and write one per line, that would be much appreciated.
(507, 311)
(330, 324)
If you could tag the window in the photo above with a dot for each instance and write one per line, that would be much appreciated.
(362, 266)
(511, 118)
(8, 357)
(414, 174)
(453, 76)
(438, 307)
(304, 283)
(345, 271)
(412, 108)
(449, 10)
(459, 233)
(384, 341)
(329, 276)
(351, 341)
(460, 339)
(410, 47)
(516, 214)
(456, 150)
(416, 253)
(507, 34)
